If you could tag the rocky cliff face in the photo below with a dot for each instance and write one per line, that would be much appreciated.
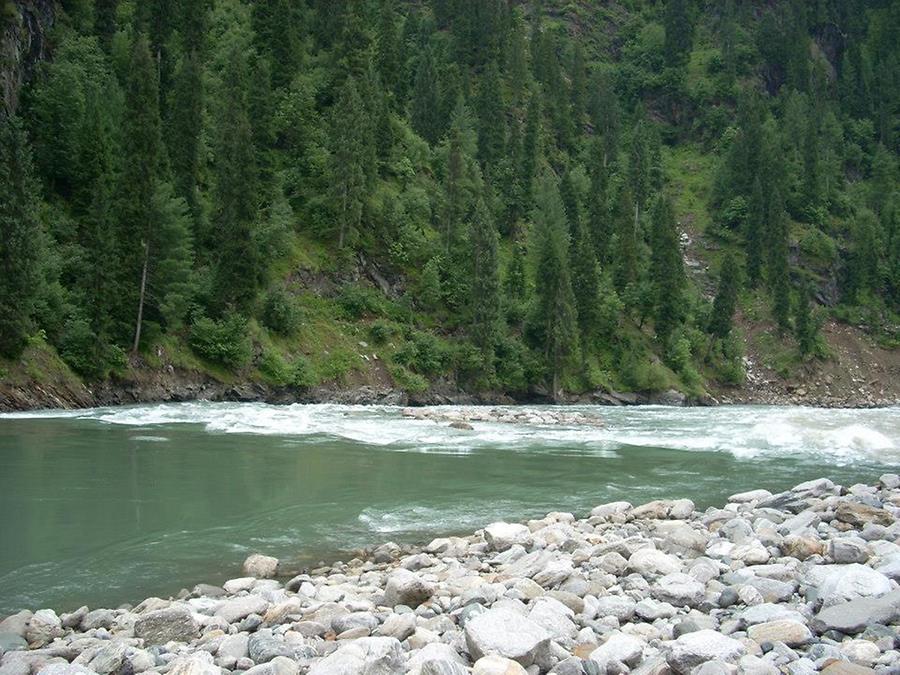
(24, 25)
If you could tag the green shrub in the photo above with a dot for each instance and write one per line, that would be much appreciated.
(80, 349)
(358, 302)
(280, 312)
(338, 364)
(408, 381)
(302, 375)
(381, 332)
(424, 354)
(275, 368)
(224, 342)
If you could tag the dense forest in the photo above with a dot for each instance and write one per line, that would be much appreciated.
(499, 194)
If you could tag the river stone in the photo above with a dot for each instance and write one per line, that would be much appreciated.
(620, 606)
(406, 588)
(263, 646)
(554, 617)
(750, 496)
(842, 583)
(443, 667)
(501, 536)
(260, 566)
(65, 669)
(99, 618)
(679, 589)
(858, 515)
(694, 649)
(790, 632)
(848, 550)
(366, 656)
(618, 647)
(280, 665)
(107, 660)
(43, 627)
(507, 633)
(198, 663)
(346, 622)
(235, 646)
(235, 609)
(605, 511)
(767, 612)
(862, 652)
(166, 625)
(10, 642)
(434, 652)
(650, 563)
(845, 668)
(16, 623)
(497, 665)
(853, 617)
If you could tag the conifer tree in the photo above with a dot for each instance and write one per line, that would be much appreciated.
(805, 329)
(604, 113)
(530, 147)
(679, 32)
(348, 152)
(754, 236)
(779, 274)
(625, 252)
(725, 302)
(185, 124)
(236, 190)
(639, 168)
(585, 284)
(491, 118)
(426, 104)
(20, 238)
(666, 270)
(598, 214)
(515, 284)
(485, 288)
(144, 157)
(554, 320)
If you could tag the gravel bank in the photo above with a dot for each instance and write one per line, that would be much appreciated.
(799, 582)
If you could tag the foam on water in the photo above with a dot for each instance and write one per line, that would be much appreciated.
(841, 436)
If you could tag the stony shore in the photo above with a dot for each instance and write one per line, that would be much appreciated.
(798, 582)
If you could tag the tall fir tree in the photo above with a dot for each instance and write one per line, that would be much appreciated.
(236, 190)
(679, 31)
(721, 321)
(805, 328)
(755, 234)
(491, 118)
(585, 284)
(348, 153)
(553, 323)
(426, 103)
(20, 238)
(666, 270)
(485, 305)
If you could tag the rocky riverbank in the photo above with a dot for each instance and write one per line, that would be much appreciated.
(798, 582)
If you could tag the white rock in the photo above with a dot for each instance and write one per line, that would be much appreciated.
(260, 566)
(679, 589)
(862, 652)
(497, 665)
(506, 633)
(618, 647)
(407, 588)
(750, 496)
(198, 663)
(651, 563)
(694, 649)
(365, 656)
(500, 536)
(237, 608)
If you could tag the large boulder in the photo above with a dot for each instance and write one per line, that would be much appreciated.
(173, 624)
(506, 633)
(406, 588)
(501, 536)
(366, 656)
(679, 589)
(841, 583)
(260, 566)
(853, 617)
(650, 563)
(693, 649)
(235, 609)
(620, 647)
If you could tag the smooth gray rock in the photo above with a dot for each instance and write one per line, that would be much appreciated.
(10, 642)
(235, 609)
(694, 649)
(853, 617)
(507, 633)
(679, 589)
(366, 656)
(65, 669)
(165, 625)
(406, 588)
(264, 646)
(260, 566)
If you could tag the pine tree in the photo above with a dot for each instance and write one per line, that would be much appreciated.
(666, 270)
(754, 236)
(603, 108)
(530, 148)
(554, 319)
(185, 125)
(862, 264)
(390, 50)
(598, 214)
(20, 238)
(348, 151)
(515, 284)
(639, 169)
(426, 104)
(625, 251)
(491, 118)
(236, 190)
(725, 302)
(144, 158)
(485, 289)
(779, 274)
(170, 281)
(585, 284)
(805, 328)
(679, 32)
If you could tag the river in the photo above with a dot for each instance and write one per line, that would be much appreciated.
(112, 505)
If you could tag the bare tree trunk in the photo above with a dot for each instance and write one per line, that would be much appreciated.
(140, 315)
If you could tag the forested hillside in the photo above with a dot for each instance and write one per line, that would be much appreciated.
(519, 197)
